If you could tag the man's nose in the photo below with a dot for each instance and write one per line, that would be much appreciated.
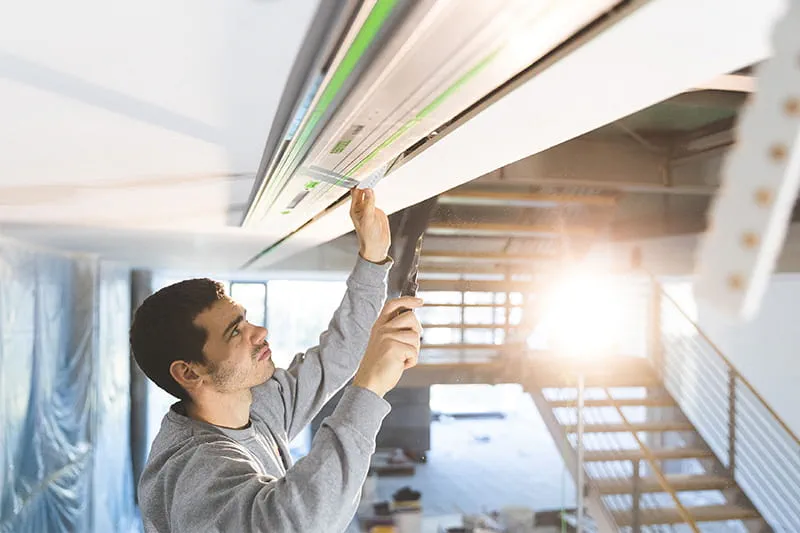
(260, 334)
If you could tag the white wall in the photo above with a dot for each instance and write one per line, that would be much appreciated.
(766, 350)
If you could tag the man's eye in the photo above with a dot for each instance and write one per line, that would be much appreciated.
(235, 332)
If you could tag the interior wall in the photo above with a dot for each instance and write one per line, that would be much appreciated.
(765, 350)
(64, 408)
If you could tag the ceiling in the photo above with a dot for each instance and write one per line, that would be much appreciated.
(141, 117)
(135, 131)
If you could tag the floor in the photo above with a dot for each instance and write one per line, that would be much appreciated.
(486, 464)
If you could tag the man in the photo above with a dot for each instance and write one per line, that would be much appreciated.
(220, 462)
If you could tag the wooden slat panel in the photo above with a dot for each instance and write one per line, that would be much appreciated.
(550, 370)
(502, 306)
(663, 401)
(507, 230)
(654, 427)
(483, 257)
(459, 325)
(424, 375)
(679, 482)
(463, 346)
(477, 285)
(708, 513)
(594, 456)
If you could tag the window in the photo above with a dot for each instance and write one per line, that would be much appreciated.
(298, 311)
(253, 297)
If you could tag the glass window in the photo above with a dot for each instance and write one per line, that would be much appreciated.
(298, 311)
(439, 315)
(480, 315)
(481, 336)
(441, 336)
(251, 296)
(440, 297)
(479, 297)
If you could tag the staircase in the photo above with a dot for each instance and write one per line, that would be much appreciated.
(672, 442)
(648, 465)
(645, 465)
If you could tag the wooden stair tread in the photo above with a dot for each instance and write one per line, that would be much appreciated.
(594, 456)
(619, 427)
(678, 482)
(662, 401)
(706, 513)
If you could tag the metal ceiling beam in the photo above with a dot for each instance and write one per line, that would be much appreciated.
(507, 199)
(481, 229)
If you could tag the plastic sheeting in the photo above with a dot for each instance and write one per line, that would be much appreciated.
(64, 407)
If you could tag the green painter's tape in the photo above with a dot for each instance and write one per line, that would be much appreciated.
(427, 110)
(375, 20)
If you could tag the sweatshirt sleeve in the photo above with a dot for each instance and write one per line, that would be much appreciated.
(315, 376)
(218, 488)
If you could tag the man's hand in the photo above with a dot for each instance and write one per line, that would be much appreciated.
(393, 346)
(372, 226)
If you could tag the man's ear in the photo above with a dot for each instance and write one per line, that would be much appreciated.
(185, 375)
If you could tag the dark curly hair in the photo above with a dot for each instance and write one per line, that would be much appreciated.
(163, 329)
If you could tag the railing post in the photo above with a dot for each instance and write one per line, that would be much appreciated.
(636, 523)
(732, 376)
(655, 345)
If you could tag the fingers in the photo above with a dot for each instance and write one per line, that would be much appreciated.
(403, 346)
(361, 201)
(368, 199)
(356, 200)
(406, 337)
(405, 321)
(392, 306)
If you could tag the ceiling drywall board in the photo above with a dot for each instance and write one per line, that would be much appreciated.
(660, 50)
(104, 100)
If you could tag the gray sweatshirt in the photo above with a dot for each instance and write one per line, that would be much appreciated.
(202, 478)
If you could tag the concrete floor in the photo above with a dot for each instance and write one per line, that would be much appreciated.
(481, 465)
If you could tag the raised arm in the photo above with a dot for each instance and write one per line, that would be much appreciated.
(315, 376)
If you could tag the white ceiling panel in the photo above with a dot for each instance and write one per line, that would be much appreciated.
(134, 115)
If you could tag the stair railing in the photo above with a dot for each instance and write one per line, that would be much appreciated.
(760, 452)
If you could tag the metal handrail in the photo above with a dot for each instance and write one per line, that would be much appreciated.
(730, 365)
(748, 415)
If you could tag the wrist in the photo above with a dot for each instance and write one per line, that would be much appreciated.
(373, 256)
(365, 384)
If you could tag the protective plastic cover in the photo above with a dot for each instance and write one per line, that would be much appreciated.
(64, 402)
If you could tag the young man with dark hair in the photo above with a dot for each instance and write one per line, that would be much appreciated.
(220, 462)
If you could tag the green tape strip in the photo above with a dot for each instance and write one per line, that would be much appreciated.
(366, 34)
(427, 110)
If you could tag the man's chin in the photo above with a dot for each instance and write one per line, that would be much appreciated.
(269, 371)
